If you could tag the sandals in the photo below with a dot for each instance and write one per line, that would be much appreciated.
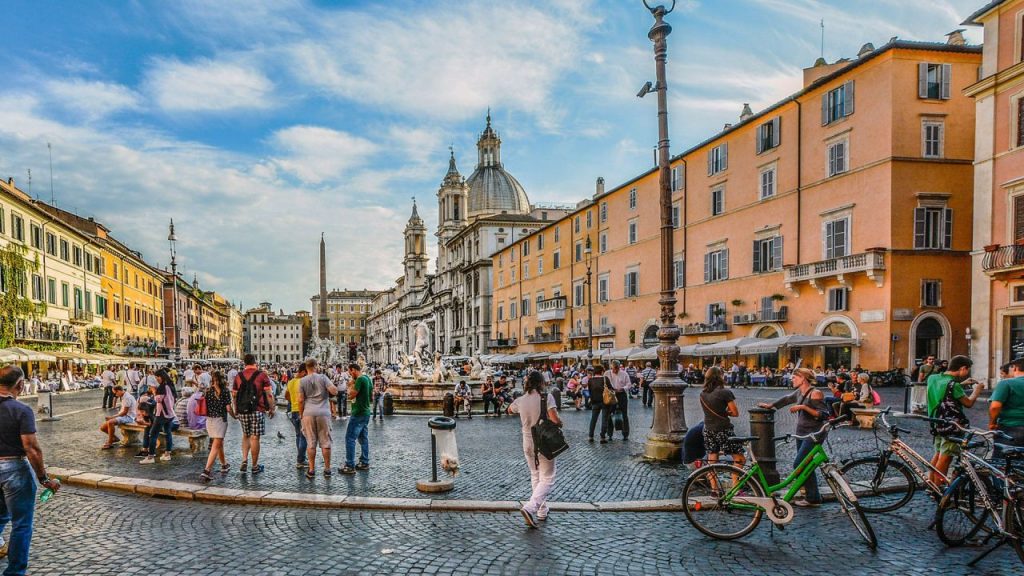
(327, 473)
(309, 474)
(106, 447)
(224, 469)
(206, 475)
(244, 467)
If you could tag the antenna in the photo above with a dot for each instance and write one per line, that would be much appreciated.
(823, 38)
(30, 182)
(49, 148)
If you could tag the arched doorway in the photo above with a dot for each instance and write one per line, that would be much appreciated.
(651, 336)
(770, 359)
(929, 335)
(836, 356)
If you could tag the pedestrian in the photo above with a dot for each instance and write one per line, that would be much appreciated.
(719, 404)
(253, 398)
(542, 471)
(1006, 409)
(947, 400)
(218, 406)
(20, 458)
(487, 393)
(648, 376)
(107, 382)
(195, 409)
(809, 406)
(163, 418)
(315, 391)
(599, 410)
(464, 399)
(291, 395)
(127, 415)
(620, 382)
(360, 390)
(342, 383)
(919, 396)
(380, 386)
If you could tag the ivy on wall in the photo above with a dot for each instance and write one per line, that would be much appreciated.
(15, 304)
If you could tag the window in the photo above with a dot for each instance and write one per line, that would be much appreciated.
(64, 250)
(933, 81)
(577, 294)
(1020, 121)
(51, 291)
(540, 265)
(602, 288)
(501, 312)
(526, 306)
(767, 183)
(513, 274)
(590, 219)
(512, 311)
(579, 251)
(577, 224)
(716, 265)
(837, 157)
(526, 270)
(836, 238)
(602, 242)
(88, 264)
(17, 227)
(837, 299)
(837, 103)
(526, 248)
(632, 198)
(37, 287)
(932, 138)
(933, 228)
(36, 235)
(678, 178)
(632, 282)
(64, 294)
(1018, 218)
(768, 134)
(931, 293)
(51, 244)
(632, 231)
(718, 159)
(2, 220)
(556, 260)
(768, 254)
(715, 314)
(717, 200)
(76, 256)
(557, 235)
(675, 215)
(540, 241)
(678, 273)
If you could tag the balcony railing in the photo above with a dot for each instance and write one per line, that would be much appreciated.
(702, 328)
(1003, 258)
(871, 263)
(551, 309)
(81, 316)
(545, 337)
(599, 331)
(780, 315)
(502, 343)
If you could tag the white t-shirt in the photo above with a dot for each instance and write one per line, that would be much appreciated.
(128, 401)
(528, 408)
(189, 375)
(231, 376)
(133, 377)
(205, 380)
(107, 378)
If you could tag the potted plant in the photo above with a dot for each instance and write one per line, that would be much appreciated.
(991, 247)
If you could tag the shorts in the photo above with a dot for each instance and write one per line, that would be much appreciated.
(216, 427)
(317, 430)
(253, 424)
(946, 447)
(718, 442)
(124, 420)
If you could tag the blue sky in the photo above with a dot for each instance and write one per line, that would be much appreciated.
(258, 124)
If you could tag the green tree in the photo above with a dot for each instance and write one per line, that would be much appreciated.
(14, 303)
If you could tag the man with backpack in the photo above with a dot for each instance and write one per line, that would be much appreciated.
(253, 396)
(946, 401)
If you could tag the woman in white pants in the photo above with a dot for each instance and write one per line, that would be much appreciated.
(542, 470)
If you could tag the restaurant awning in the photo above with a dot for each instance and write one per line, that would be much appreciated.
(725, 347)
(25, 355)
(538, 356)
(626, 353)
(771, 345)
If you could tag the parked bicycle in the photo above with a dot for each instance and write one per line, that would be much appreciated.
(726, 502)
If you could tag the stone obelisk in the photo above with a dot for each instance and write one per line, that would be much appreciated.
(323, 323)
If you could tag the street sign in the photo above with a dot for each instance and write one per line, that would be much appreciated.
(607, 345)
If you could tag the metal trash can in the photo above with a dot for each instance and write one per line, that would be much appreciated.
(389, 404)
(448, 405)
(443, 450)
(762, 425)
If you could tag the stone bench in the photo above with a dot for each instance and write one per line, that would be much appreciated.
(198, 440)
(865, 416)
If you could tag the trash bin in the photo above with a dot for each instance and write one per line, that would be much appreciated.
(443, 451)
(448, 405)
(389, 404)
(46, 407)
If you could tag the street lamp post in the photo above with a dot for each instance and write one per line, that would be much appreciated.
(588, 258)
(172, 240)
(666, 436)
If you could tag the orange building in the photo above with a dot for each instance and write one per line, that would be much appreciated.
(997, 317)
(843, 210)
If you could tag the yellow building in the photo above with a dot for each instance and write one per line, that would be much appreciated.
(133, 289)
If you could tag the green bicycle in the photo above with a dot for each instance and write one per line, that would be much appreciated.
(726, 502)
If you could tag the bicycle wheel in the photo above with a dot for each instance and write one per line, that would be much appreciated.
(709, 512)
(880, 486)
(961, 513)
(844, 495)
(1015, 524)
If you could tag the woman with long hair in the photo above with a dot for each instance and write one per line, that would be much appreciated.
(542, 470)
(719, 404)
(218, 406)
(163, 418)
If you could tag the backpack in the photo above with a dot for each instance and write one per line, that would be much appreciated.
(949, 409)
(547, 436)
(248, 397)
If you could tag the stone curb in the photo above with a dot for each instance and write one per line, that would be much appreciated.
(185, 491)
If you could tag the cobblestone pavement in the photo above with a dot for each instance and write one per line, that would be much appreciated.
(493, 467)
(81, 531)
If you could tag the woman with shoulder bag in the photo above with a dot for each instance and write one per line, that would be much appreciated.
(542, 471)
(718, 404)
(218, 406)
(599, 386)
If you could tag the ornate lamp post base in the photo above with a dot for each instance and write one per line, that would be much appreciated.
(665, 440)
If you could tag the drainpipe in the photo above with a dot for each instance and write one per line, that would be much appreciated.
(799, 175)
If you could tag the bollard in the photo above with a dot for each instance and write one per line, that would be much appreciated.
(448, 405)
(762, 425)
(48, 408)
(907, 388)
(436, 424)
(389, 404)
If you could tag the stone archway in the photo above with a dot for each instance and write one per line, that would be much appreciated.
(842, 327)
(930, 333)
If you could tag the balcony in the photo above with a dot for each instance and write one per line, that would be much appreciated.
(701, 328)
(600, 331)
(79, 316)
(502, 343)
(1003, 259)
(544, 338)
(551, 309)
(780, 315)
(871, 263)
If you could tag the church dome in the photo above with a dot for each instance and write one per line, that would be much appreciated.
(492, 190)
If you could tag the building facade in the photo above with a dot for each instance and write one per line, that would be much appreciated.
(273, 338)
(347, 311)
(843, 210)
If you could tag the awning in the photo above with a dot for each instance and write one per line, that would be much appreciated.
(26, 355)
(771, 345)
(626, 353)
(515, 359)
(538, 356)
(724, 348)
(73, 357)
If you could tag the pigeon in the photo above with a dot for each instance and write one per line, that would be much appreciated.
(280, 436)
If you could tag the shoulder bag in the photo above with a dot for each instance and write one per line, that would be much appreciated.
(547, 436)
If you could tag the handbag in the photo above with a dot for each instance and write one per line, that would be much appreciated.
(608, 394)
(201, 406)
(547, 436)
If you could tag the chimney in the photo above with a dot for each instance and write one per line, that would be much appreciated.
(746, 113)
(10, 181)
(599, 188)
(727, 126)
(956, 37)
(865, 50)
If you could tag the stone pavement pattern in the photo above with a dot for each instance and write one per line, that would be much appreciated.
(82, 531)
(490, 452)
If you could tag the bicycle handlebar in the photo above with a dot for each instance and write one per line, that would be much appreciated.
(830, 425)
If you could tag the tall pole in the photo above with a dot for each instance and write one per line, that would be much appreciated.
(590, 307)
(171, 239)
(666, 436)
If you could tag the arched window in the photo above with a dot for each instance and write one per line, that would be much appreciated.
(837, 329)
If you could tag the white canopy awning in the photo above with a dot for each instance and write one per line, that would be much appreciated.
(626, 353)
(724, 348)
(26, 355)
(771, 345)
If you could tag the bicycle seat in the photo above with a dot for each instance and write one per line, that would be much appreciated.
(743, 438)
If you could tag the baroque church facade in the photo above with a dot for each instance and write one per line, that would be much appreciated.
(478, 216)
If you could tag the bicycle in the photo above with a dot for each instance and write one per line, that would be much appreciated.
(731, 495)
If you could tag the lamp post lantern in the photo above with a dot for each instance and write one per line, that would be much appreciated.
(172, 239)
(666, 436)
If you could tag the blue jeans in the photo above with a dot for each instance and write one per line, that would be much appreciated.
(17, 506)
(803, 448)
(160, 425)
(300, 438)
(357, 430)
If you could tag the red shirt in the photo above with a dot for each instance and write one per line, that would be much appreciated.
(262, 383)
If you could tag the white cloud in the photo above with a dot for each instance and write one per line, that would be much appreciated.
(314, 154)
(208, 86)
(93, 99)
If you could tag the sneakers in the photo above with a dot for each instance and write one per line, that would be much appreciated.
(804, 503)
(165, 457)
(347, 470)
(257, 469)
(148, 460)
(362, 466)
(206, 475)
(225, 469)
(142, 454)
(531, 521)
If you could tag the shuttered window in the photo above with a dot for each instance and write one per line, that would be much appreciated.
(768, 254)
(718, 159)
(933, 228)
(1018, 218)
(933, 81)
(836, 238)
(837, 103)
(716, 265)
(768, 134)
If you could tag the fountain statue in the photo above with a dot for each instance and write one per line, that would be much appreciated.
(422, 342)
(324, 351)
